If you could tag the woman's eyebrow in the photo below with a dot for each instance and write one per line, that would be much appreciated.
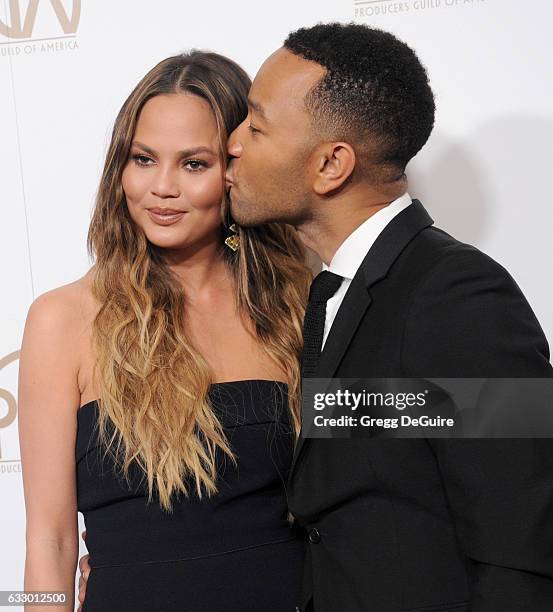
(184, 153)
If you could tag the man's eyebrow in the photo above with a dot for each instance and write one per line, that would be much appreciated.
(257, 108)
(184, 153)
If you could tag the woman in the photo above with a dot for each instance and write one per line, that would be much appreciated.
(180, 348)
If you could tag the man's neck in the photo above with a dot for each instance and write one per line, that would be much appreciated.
(341, 215)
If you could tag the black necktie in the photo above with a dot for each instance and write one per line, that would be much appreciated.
(323, 287)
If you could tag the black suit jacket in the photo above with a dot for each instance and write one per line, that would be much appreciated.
(428, 524)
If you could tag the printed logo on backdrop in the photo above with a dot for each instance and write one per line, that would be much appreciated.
(376, 8)
(28, 27)
(9, 453)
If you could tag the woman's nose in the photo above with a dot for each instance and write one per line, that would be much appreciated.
(165, 184)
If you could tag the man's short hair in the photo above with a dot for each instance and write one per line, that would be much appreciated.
(375, 93)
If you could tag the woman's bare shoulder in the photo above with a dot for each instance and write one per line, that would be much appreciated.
(68, 309)
(55, 344)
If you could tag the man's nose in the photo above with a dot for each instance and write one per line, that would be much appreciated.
(234, 143)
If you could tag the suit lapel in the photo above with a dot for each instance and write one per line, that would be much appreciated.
(375, 266)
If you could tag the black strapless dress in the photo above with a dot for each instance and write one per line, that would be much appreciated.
(233, 552)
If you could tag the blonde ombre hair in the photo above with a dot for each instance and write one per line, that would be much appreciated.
(152, 383)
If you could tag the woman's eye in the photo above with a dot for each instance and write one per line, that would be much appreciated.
(195, 164)
(252, 129)
(141, 160)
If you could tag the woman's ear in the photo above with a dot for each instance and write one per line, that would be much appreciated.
(335, 162)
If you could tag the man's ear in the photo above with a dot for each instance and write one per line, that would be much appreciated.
(335, 162)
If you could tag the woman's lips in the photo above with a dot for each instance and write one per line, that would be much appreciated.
(165, 216)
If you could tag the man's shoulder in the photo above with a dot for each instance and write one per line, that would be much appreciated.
(466, 308)
(441, 243)
(447, 254)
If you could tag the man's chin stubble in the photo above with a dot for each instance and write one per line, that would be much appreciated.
(243, 218)
(247, 216)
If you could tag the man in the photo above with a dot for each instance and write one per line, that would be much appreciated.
(334, 117)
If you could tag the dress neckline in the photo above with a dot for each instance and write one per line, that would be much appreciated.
(223, 382)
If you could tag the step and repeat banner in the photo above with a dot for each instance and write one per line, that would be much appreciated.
(66, 66)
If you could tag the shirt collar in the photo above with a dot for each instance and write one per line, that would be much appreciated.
(352, 251)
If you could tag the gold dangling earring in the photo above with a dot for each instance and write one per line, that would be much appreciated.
(233, 241)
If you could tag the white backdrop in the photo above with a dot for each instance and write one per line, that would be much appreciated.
(484, 175)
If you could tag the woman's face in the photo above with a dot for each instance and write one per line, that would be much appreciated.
(173, 180)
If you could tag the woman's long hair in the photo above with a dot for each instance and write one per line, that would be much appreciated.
(152, 383)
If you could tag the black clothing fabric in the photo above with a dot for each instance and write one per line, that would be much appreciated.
(428, 524)
(323, 287)
(233, 552)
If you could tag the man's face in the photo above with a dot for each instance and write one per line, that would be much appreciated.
(269, 177)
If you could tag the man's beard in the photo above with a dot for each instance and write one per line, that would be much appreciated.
(247, 214)
(245, 220)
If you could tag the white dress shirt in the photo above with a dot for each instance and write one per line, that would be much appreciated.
(352, 252)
